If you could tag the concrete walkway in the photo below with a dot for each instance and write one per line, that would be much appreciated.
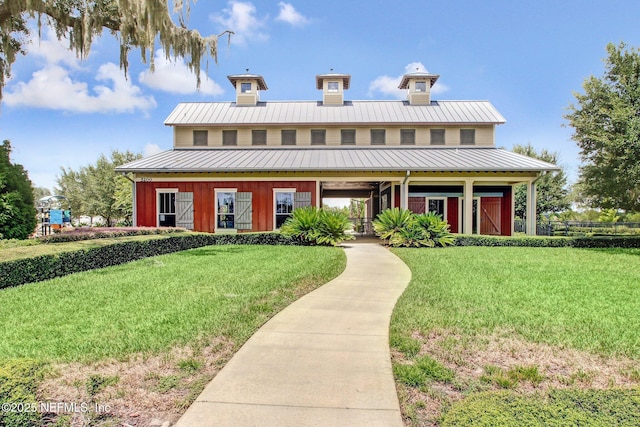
(322, 361)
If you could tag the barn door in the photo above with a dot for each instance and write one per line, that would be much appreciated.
(417, 204)
(301, 199)
(490, 217)
(184, 210)
(244, 211)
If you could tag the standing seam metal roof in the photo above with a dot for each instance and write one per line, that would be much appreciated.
(359, 159)
(351, 113)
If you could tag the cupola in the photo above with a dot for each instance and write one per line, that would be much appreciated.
(418, 86)
(247, 87)
(333, 86)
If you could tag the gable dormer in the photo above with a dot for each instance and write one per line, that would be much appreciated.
(333, 86)
(418, 86)
(247, 88)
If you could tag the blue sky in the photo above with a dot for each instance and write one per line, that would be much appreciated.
(527, 58)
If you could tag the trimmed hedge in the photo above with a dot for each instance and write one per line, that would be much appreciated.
(551, 242)
(104, 233)
(27, 270)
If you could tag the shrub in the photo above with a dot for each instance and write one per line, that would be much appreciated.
(550, 242)
(404, 228)
(313, 226)
(19, 380)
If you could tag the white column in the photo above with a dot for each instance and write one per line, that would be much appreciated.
(531, 209)
(467, 224)
(134, 213)
(392, 202)
(318, 195)
(404, 194)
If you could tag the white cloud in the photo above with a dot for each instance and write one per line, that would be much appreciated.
(240, 17)
(151, 149)
(388, 85)
(175, 77)
(291, 16)
(52, 87)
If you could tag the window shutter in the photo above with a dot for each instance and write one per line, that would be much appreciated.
(184, 210)
(301, 199)
(407, 136)
(244, 211)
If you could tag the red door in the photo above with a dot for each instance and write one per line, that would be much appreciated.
(490, 218)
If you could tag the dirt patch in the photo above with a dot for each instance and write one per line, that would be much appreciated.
(142, 390)
(470, 357)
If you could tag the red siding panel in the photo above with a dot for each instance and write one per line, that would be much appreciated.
(452, 213)
(204, 200)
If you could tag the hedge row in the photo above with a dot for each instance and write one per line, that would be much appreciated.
(551, 242)
(106, 233)
(18, 272)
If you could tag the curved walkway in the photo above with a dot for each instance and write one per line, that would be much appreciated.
(322, 361)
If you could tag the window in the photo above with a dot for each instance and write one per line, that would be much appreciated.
(348, 136)
(437, 136)
(378, 136)
(421, 86)
(332, 86)
(200, 138)
(259, 137)
(229, 137)
(167, 208)
(318, 137)
(467, 136)
(407, 136)
(289, 137)
(225, 210)
(245, 87)
(283, 201)
(437, 205)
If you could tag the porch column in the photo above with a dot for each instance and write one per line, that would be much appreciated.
(531, 209)
(134, 213)
(404, 195)
(467, 225)
(318, 195)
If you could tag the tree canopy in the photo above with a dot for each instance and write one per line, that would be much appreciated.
(136, 24)
(17, 211)
(606, 123)
(97, 190)
(551, 189)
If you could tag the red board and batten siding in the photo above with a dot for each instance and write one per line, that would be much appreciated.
(204, 200)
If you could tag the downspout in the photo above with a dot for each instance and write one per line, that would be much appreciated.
(134, 204)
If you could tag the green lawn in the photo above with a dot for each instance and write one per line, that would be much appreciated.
(570, 299)
(155, 303)
(580, 298)
(18, 249)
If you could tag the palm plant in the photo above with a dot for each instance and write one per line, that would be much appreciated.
(332, 228)
(404, 228)
(302, 224)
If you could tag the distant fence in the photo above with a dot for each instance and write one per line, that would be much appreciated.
(580, 228)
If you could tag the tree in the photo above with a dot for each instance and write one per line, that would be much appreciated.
(135, 23)
(606, 123)
(40, 192)
(551, 189)
(97, 190)
(17, 211)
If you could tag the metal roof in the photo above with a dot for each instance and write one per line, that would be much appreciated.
(312, 159)
(382, 113)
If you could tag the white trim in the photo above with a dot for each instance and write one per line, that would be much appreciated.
(158, 191)
(415, 179)
(215, 210)
(276, 191)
